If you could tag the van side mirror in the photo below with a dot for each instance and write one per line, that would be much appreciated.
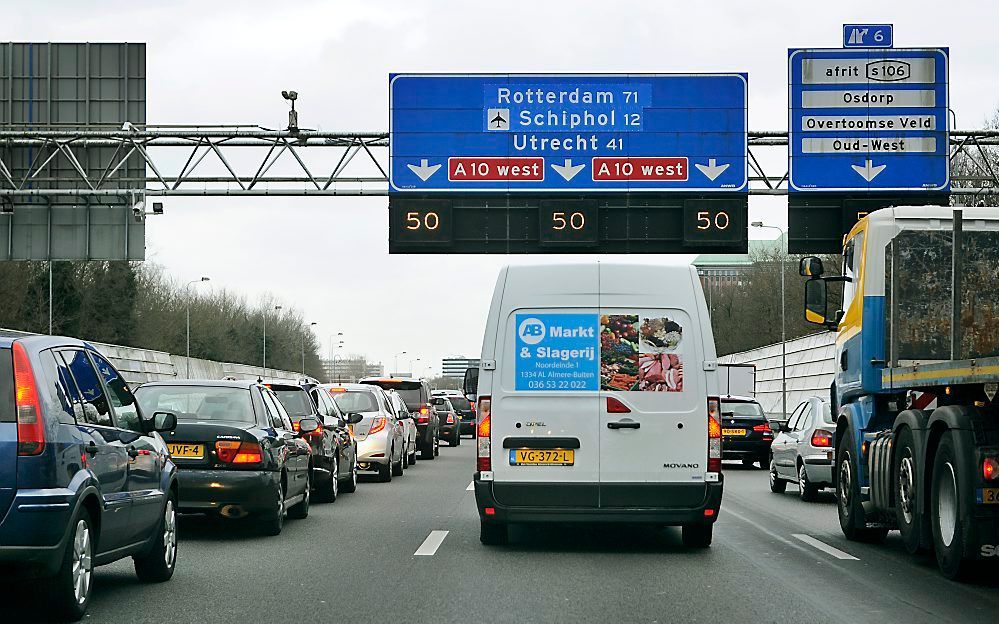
(810, 266)
(816, 302)
(471, 383)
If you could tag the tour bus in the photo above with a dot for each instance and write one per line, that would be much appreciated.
(598, 400)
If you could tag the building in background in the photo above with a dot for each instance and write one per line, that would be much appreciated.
(351, 368)
(456, 366)
(722, 271)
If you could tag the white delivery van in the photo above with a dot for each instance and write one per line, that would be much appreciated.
(596, 394)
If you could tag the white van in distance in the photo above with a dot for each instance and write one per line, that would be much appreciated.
(597, 399)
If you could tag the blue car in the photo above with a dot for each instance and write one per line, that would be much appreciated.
(85, 478)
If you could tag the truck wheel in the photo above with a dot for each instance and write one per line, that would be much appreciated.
(947, 511)
(905, 476)
(777, 485)
(697, 535)
(806, 490)
(851, 511)
(493, 534)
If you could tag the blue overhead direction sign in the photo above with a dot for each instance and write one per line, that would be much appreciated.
(508, 133)
(868, 120)
(868, 36)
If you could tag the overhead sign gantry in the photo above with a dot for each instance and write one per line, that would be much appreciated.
(586, 162)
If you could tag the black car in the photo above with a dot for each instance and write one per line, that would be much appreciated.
(85, 478)
(416, 394)
(450, 423)
(746, 433)
(466, 413)
(334, 452)
(236, 449)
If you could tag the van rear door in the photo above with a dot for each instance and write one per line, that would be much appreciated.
(653, 422)
(545, 441)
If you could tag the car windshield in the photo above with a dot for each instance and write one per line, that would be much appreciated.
(356, 401)
(442, 406)
(741, 408)
(410, 391)
(197, 403)
(296, 401)
(460, 403)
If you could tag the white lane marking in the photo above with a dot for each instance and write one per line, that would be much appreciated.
(431, 544)
(471, 487)
(826, 548)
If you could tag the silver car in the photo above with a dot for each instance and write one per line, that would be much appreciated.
(381, 447)
(409, 433)
(803, 450)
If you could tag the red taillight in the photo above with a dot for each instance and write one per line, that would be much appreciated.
(482, 432)
(990, 469)
(708, 513)
(317, 433)
(450, 419)
(490, 511)
(296, 426)
(822, 438)
(30, 428)
(614, 406)
(765, 428)
(236, 452)
(377, 425)
(714, 436)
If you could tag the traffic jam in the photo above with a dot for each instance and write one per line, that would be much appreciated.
(700, 390)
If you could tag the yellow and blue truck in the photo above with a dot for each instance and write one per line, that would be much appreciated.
(917, 371)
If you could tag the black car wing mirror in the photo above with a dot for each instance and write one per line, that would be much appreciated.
(164, 421)
(470, 385)
(353, 418)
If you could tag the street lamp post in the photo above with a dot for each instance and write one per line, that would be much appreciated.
(396, 368)
(276, 309)
(187, 287)
(303, 346)
(783, 326)
(412, 371)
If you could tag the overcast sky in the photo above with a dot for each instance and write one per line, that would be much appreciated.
(214, 61)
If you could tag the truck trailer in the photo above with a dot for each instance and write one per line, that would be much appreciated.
(917, 372)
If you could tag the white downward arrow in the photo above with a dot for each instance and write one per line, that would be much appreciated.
(711, 170)
(568, 170)
(868, 171)
(424, 170)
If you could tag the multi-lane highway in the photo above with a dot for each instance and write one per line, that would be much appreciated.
(382, 555)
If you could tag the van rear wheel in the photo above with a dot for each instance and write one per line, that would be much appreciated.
(697, 535)
(493, 534)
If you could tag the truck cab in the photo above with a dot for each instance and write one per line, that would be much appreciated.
(917, 366)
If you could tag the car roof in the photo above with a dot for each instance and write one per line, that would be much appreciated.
(40, 341)
(731, 398)
(216, 383)
(352, 386)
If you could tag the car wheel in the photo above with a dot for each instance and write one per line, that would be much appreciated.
(948, 516)
(327, 492)
(905, 475)
(351, 485)
(397, 466)
(493, 534)
(405, 459)
(437, 444)
(748, 462)
(456, 440)
(412, 456)
(777, 485)
(301, 510)
(70, 587)
(697, 535)
(806, 490)
(273, 523)
(158, 564)
(385, 473)
(849, 507)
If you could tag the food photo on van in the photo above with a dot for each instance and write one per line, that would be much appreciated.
(597, 400)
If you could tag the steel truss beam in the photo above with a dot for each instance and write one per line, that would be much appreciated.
(243, 161)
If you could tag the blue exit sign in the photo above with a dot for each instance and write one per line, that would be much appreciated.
(867, 36)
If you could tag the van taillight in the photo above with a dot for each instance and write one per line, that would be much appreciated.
(484, 460)
(30, 428)
(714, 436)
(236, 452)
